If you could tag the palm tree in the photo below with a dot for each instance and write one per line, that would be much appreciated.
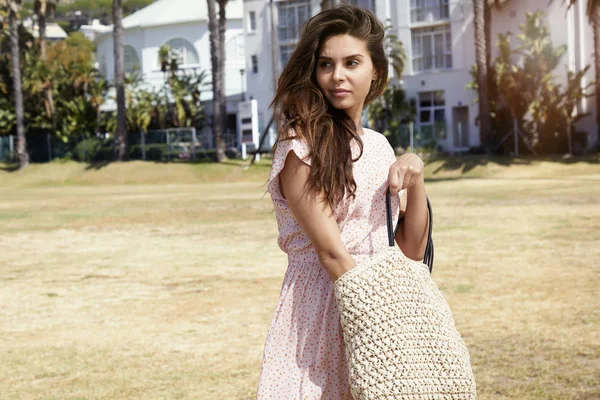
(222, 28)
(117, 12)
(13, 7)
(491, 81)
(481, 59)
(217, 58)
(489, 5)
(43, 10)
(593, 14)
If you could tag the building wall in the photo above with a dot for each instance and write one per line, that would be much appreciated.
(147, 42)
(260, 86)
(453, 81)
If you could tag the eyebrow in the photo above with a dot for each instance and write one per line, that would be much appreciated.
(345, 58)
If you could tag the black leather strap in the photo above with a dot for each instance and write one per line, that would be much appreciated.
(428, 258)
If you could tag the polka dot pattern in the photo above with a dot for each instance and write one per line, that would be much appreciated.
(304, 356)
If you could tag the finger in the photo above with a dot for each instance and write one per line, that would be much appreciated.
(400, 174)
(393, 180)
(407, 178)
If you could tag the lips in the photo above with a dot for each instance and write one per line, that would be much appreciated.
(340, 93)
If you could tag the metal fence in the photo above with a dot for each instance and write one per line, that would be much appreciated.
(177, 144)
(412, 136)
(42, 147)
(7, 148)
(156, 145)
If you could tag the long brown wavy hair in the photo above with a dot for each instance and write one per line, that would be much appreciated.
(303, 112)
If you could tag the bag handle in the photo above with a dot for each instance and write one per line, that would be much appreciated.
(428, 258)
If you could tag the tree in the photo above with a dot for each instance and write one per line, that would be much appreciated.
(390, 110)
(482, 71)
(222, 27)
(527, 89)
(217, 58)
(118, 36)
(12, 8)
(394, 50)
(44, 9)
(491, 81)
(593, 13)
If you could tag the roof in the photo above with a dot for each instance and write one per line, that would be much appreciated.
(53, 30)
(168, 12)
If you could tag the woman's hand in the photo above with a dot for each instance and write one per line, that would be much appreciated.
(405, 173)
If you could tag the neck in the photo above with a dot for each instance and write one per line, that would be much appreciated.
(355, 113)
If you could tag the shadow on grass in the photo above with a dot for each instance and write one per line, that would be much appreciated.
(97, 165)
(202, 161)
(466, 163)
(9, 167)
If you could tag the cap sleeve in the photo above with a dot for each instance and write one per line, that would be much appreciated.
(299, 147)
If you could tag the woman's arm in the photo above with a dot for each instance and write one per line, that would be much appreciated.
(315, 217)
(411, 236)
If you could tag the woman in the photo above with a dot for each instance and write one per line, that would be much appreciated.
(327, 183)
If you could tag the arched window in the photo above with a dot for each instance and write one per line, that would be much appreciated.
(131, 59)
(183, 51)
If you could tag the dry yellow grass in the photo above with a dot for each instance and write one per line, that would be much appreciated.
(144, 281)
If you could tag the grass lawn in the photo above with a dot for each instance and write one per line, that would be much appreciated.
(158, 281)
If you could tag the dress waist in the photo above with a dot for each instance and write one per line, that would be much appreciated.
(309, 255)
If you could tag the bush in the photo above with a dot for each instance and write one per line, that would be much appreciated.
(95, 150)
(233, 152)
(88, 150)
(154, 152)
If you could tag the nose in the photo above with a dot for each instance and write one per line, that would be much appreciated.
(338, 73)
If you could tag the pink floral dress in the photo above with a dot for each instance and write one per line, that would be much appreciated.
(303, 356)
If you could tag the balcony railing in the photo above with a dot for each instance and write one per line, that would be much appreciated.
(437, 12)
(428, 63)
(287, 33)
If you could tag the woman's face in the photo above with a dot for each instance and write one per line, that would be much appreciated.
(344, 72)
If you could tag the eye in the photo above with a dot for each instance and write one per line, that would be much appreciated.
(352, 63)
(324, 64)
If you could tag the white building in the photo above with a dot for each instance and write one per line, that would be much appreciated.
(183, 25)
(439, 41)
(94, 30)
(54, 32)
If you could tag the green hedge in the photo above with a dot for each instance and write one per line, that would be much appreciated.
(96, 150)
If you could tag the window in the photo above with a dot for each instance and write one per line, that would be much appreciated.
(131, 60)
(183, 51)
(252, 21)
(254, 59)
(432, 114)
(429, 10)
(291, 15)
(431, 48)
(285, 52)
(103, 67)
(368, 4)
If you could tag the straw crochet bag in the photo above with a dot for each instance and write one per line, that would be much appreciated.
(399, 334)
